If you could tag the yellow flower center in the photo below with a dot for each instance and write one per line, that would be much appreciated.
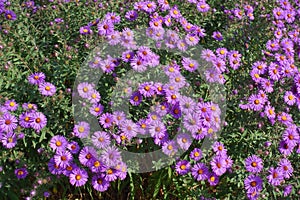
(47, 88)
(77, 177)
(81, 129)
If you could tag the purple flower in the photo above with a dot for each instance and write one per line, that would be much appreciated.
(21, 173)
(38, 121)
(217, 35)
(219, 148)
(9, 140)
(58, 143)
(131, 15)
(136, 98)
(175, 12)
(100, 183)
(184, 141)
(11, 105)
(10, 15)
(100, 139)
(106, 120)
(170, 148)
(85, 30)
(218, 165)
(196, 154)
(200, 172)
(289, 98)
(182, 167)
(96, 109)
(78, 177)
(105, 27)
(110, 156)
(8, 122)
(275, 176)
(287, 190)
(54, 168)
(254, 164)
(113, 17)
(253, 183)
(86, 155)
(82, 129)
(73, 147)
(47, 89)
(189, 64)
(287, 168)
(202, 6)
(213, 179)
(63, 158)
(84, 89)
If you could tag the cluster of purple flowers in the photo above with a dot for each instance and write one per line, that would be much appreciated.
(45, 88)
(278, 66)
(242, 12)
(78, 164)
(8, 14)
(220, 163)
(220, 59)
(29, 118)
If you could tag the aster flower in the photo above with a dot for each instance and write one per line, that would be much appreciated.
(84, 89)
(285, 147)
(254, 164)
(86, 155)
(85, 30)
(82, 129)
(99, 183)
(187, 104)
(170, 148)
(38, 120)
(9, 140)
(11, 105)
(255, 102)
(68, 169)
(78, 177)
(182, 45)
(182, 167)
(21, 173)
(96, 109)
(10, 15)
(253, 183)
(275, 176)
(97, 166)
(129, 128)
(58, 143)
(113, 17)
(157, 129)
(106, 120)
(286, 167)
(73, 147)
(8, 122)
(184, 141)
(291, 136)
(196, 154)
(147, 89)
(192, 122)
(218, 165)
(54, 168)
(219, 148)
(100, 139)
(189, 64)
(287, 190)
(131, 15)
(217, 35)
(113, 37)
(175, 111)
(143, 125)
(47, 89)
(105, 27)
(94, 96)
(175, 12)
(29, 106)
(213, 179)
(202, 6)
(63, 158)
(200, 172)
(110, 156)
(289, 98)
